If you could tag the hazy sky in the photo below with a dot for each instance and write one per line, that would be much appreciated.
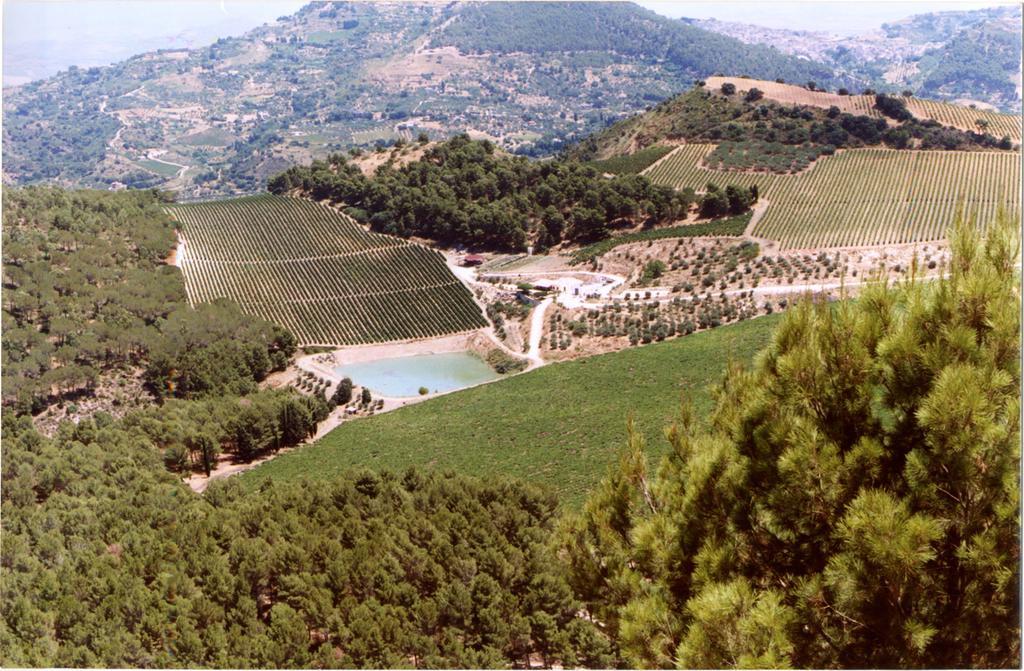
(42, 37)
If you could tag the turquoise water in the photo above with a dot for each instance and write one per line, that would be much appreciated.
(403, 376)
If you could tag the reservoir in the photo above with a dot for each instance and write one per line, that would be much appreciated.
(403, 376)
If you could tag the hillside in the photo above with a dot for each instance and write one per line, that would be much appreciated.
(960, 56)
(861, 197)
(223, 118)
(961, 117)
(793, 115)
(560, 425)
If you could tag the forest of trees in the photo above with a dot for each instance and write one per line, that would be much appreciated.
(109, 561)
(466, 192)
(87, 294)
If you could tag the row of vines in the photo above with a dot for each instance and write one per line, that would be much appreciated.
(317, 272)
(863, 196)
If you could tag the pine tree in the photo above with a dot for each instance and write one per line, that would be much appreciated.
(854, 501)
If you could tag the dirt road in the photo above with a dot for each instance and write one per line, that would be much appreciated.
(537, 332)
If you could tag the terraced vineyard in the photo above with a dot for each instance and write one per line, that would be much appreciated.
(317, 272)
(863, 196)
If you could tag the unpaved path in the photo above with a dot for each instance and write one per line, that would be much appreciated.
(537, 332)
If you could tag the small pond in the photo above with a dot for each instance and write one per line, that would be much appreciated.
(403, 376)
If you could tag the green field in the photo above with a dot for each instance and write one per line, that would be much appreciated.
(315, 271)
(560, 425)
(863, 196)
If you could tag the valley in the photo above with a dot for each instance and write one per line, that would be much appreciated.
(824, 230)
(517, 335)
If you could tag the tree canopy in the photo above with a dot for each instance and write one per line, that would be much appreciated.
(466, 192)
(88, 293)
(108, 561)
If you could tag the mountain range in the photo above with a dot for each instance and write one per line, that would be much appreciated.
(532, 77)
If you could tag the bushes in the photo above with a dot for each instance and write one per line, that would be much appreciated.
(717, 202)
(763, 155)
(343, 394)
(892, 107)
(504, 363)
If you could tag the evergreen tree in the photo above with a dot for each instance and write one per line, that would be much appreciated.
(854, 502)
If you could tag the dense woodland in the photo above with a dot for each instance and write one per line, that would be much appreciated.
(88, 297)
(109, 561)
(762, 134)
(466, 192)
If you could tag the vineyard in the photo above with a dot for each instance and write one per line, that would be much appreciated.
(317, 272)
(966, 118)
(863, 196)
(947, 114)
(382, 134)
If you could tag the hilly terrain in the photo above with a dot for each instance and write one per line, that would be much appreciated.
(222, 119)
(835, 170)
(967, 57)
(728, 379)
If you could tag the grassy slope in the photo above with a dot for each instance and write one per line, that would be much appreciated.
(560, 425)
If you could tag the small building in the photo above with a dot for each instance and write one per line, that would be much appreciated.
(472, 260)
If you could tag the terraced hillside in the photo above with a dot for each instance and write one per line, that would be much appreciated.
(863, 196)
(956, 116)
(317, 272)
